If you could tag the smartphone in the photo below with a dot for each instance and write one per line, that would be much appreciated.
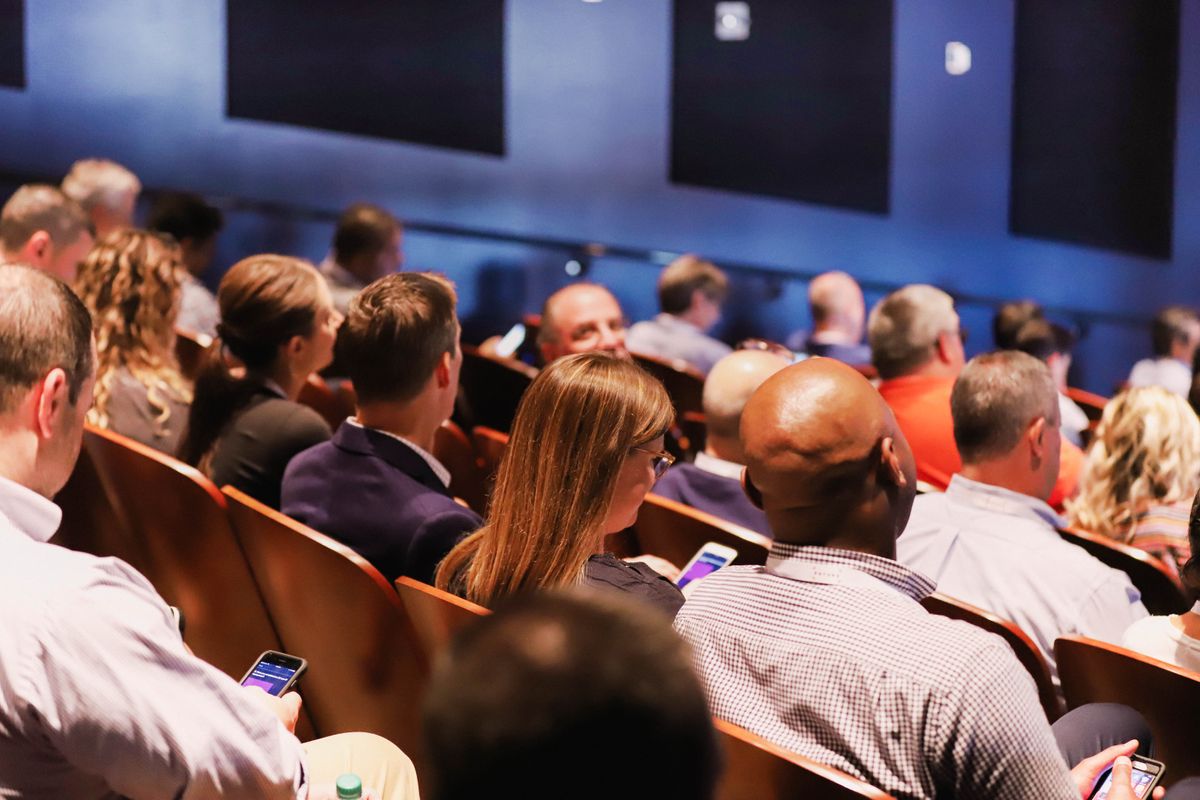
(512, 341)
(709, 558)
(1146, 775)
(275, 672)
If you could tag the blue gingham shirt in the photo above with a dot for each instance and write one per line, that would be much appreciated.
(854, 673)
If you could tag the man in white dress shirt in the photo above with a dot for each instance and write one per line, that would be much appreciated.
(690, 293)
(1175, 336)
(99, 697)
(990, 539)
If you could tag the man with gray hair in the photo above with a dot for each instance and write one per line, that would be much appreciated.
(991, 539)
(835, 301)
(42, 227)
(106, 190)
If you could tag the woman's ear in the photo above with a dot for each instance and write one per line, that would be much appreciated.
(750, 489)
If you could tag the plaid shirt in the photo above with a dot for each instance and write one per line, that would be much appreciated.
(841, 664)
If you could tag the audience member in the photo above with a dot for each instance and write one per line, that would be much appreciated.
(580, 318)
(1051, 343)
(917, 346)
(106, 191)
(194, 224)
(586, 448)
(714, 482)
(1175, 638)
(130, 283)
(827, 652)
(1175, 336)
(530, 696)
(835, 302)
(366, 246)
(1143, 470)
(376, 486)
(278, 322)
(690, 293)
(990, 539)
(42, 227)
(1009, 320)
(98, 694)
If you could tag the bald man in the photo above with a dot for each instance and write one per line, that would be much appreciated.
(835, 301)
(827, 652)
(713, 484)
(580, 318)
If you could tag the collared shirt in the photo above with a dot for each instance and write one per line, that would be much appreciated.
(438, 468)
(827, 653)
(718, 466)
(668, 336)
(98, 696)
(1000, 550)
(343, 284)
(1169, 373)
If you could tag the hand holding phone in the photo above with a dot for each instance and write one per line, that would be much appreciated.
(1144, 774)
(275, 672)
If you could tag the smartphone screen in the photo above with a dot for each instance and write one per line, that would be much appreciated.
(1145, 775)
(703, 564)
(273, 672)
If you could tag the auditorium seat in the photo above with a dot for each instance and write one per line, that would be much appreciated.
(491, 388)
(1161, 591)
(189, 351)
(684, 384)
(334, 406)
(191, 556)
(366, 669)
(1022, 646)
(693, 433)
(490, 445)
(90, 520)
(1092, 404)
(675, 532)
(1166, 695)
(435, 614)
(452, 447)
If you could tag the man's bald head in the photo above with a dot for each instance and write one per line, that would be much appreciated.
(836, 303)
(581, 318)
(729, 385)
(823, 451)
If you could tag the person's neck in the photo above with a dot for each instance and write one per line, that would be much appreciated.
(833, 334)
(936, 368)
(409, 421)
(18, 459)
(290, 382)
(692, 316)
(725, 449)
(861, 530)
(1006, 473)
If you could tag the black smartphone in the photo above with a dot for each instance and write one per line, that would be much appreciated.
(1145, 776)
(275, 672)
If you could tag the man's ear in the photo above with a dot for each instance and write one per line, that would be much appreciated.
(751, 490)
(1036, 436)
(38, 246)
(51, 402)
(295, 345)
(442, 371)
(890, 464)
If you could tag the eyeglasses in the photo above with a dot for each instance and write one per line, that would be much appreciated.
(661, 460)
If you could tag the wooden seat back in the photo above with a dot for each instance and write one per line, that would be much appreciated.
(191, 555)
(675, 532)
(1166, 695)
(490, 445)
(1022, 646)
(366, 669)
(90, 520)
(683, 383)
(1092, 404)
(452, 447)
(435, 614)
(492, 388)
(332, 404)
(1161, 591)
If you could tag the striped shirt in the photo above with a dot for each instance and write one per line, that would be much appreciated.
(1162, 531)
(829, 654)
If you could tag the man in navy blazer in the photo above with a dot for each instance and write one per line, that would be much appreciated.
(376, 486)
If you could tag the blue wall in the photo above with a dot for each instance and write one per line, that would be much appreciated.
(142, 81)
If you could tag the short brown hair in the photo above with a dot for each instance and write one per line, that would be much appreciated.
(683, 276)
(41, 207)
(904, 327)
(363, 229)
(395, 333)
(43, 325)
(1171, 325)
(995, 398)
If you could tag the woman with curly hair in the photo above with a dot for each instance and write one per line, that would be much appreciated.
(130, 282)
(1142, 471)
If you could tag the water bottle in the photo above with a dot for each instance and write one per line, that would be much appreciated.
(349, 787)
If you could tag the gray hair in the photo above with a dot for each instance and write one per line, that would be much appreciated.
(903, 328)
(995, 398)
(99, 182)
(40, 207)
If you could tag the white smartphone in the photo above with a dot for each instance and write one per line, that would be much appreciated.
(511, 342)
(709, 558)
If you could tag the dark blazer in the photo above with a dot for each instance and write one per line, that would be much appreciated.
(714, 494)
(377, 495)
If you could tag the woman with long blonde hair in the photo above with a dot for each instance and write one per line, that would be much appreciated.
(586, 447)
(130, 282)
(1143, 469)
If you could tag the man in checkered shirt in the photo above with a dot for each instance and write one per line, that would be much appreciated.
(826, 650)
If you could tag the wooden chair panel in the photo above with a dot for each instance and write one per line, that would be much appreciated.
(90, 521)
(366, 669)
(192, 558)
(1166, 695)
(1161, 591)
(435, 614)
(333, 405)
(490, 445)
(492, 388)
(1092, 404)
(675, 532)
(1022, 646)
(683, 383)
(452, 447)
(693, 429)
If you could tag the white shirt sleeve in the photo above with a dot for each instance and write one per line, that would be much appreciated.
(1111, 608)
(107, 680)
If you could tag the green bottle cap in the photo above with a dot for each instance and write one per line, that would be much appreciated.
(349, 786)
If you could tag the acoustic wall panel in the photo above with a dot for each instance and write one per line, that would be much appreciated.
(800, 110)
(1094, 104)
(425, 71)
(12, 43)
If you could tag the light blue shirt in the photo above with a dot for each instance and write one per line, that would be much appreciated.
(1000, 550)
(668, 336)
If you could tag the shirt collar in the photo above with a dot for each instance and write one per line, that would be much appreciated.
(28, 512)
(439, 470)
(671, 321)
(718, 466)
(338, 275)
(999, 500)
(887, 571)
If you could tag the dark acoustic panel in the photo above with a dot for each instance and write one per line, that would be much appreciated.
(1094, 122)
(12, 43)
(426, 71)
(799, 110)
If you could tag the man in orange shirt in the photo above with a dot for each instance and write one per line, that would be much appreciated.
(917, 346)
